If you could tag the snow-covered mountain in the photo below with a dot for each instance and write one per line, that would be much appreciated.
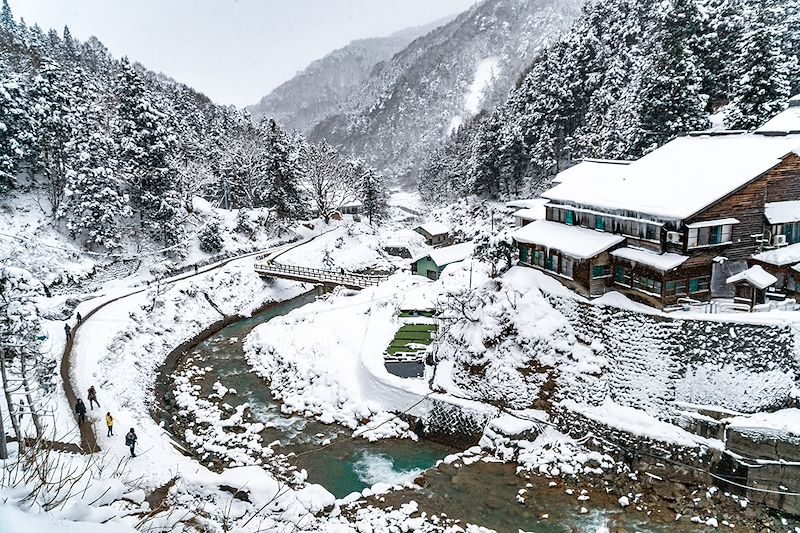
(416, 99)
(319, 90)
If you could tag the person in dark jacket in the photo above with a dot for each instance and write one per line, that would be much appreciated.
(80, 409)
(80, 318)
(130, 441)
(67, 330)
(92, 395)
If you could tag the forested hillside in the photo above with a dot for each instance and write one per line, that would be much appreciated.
(413, 101)
(326, 84)
(629, 76)
(115, 152)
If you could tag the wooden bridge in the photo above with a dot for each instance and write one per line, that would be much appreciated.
(330, 278)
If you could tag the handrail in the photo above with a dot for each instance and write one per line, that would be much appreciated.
(318, 274)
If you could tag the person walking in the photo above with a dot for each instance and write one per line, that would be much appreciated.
(80, 318)
(110, 424)
(67, 330)
(130, 441)
(93, 398)
(80, 409)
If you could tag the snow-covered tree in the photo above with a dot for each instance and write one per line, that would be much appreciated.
(763, 84)
(211, 238)
(671, 101)
(284, 192)
(146, 148)
(329, 179)
(372, 194)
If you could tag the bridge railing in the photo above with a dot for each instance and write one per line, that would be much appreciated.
(317, 274)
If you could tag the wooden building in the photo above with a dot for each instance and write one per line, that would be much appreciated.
(431, 265)
(676, 224)
(435, 233)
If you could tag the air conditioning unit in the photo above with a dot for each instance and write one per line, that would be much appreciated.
(673, 237)
(779, 240)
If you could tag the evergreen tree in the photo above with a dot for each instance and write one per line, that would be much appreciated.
(373, 194)
(210, 239)
(146, 149)
(14, 125)
(6, 17)
(763, 84)
(284, 195)
(671, 101)
(69, 44)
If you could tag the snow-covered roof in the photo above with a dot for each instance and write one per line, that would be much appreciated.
(680, 178)
(525, 203)
(434, 228)
(591, 169)
(580, 243)
(354, 203)
(531, 213)
(787, 121)
(755, 276)
(780, 256)
(450, 254)
(782, 212)
(711, 223)
(663, 262)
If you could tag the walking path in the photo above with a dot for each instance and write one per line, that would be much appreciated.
(88, 439)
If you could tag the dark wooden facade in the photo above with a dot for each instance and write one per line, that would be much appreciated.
(692, 279)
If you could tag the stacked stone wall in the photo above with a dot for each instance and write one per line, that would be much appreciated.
(655, 361)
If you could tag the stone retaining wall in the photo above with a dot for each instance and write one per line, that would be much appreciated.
(654, 361)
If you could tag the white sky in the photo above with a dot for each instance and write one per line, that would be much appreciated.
(235, 51)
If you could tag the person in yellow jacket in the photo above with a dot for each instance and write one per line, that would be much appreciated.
(110, 424)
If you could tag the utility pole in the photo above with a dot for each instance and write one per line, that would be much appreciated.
(3, 447)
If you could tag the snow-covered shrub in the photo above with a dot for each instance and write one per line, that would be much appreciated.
(210, 238)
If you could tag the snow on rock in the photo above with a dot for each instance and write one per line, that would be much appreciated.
(638, 422)
(783, 421)
(48, 523)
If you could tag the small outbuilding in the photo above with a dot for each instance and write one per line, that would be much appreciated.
(751, 284)
(432, 264)
(435, 233)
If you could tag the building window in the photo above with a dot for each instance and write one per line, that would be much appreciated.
(538, 258)
(569, 218)
(638, 229)
(552, 263)
(523, 254)
(700, 284)
(645, 284)
(567, 265)
(622, 276)
(601, 271)
(675, 288)
(599, 223)
(710, 236)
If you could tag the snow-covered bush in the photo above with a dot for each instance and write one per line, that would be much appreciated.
(210, 238)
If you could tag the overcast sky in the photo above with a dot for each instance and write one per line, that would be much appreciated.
(235, 51)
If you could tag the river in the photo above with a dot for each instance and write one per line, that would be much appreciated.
(482, 493)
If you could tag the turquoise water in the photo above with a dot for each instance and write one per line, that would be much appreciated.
(344, 467)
